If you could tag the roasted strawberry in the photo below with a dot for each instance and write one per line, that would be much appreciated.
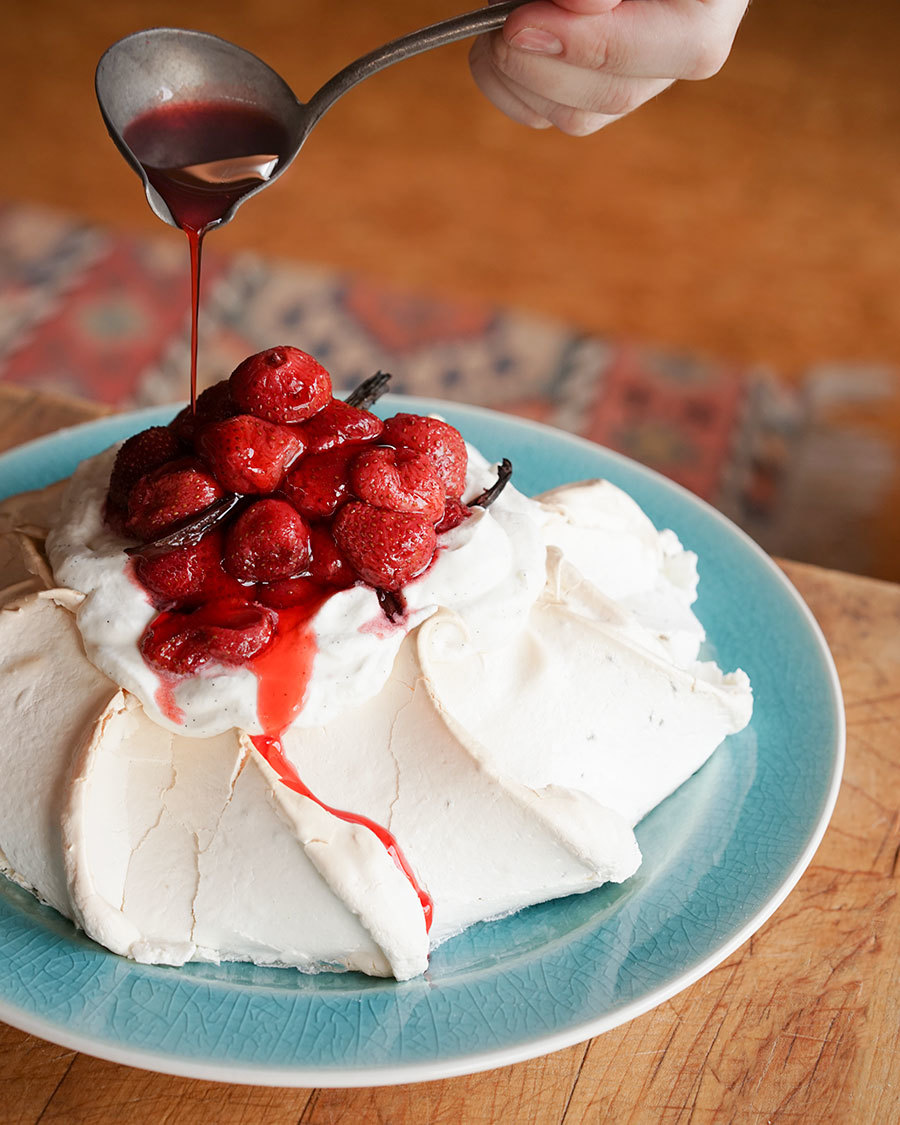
(320, 482)
(328, 563)
(436, 439)
(281, 385)
(187, 574)
(178, 574)
(268, 540)
(228, 631)
(455, 511)
(139, 455)
(400, 480)
(338, 423)
(301, 593)
(219, 584)
(328, 567)
(386, 549)
(215, 404)
(168, 495)
(247, 454)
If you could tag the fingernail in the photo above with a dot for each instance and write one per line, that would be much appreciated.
(538, 41)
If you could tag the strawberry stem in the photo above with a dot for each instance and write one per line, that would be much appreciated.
(369, 391)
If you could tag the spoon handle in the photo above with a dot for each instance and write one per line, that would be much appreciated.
(435, 35)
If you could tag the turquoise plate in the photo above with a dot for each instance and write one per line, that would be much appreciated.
(720, 855)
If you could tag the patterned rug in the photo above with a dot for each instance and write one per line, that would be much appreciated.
(809, 468)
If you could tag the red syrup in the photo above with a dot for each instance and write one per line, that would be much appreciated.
(283, 671)
(271, 749)
(172, 140)
(165, 699)
(165, 692)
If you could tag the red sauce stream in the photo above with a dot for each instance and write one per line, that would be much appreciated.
(283, 672)
(271, 749)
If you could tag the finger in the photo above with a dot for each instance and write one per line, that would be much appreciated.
(590, 90)
(638, 38)
(496, 89)
(575, 122)
(585, 7)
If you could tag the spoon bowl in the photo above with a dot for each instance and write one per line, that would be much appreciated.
(166, 66)
(171, 66)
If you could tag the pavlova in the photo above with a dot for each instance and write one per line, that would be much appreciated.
(286, 683)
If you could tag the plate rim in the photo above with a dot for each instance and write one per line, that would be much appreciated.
(292, 1076)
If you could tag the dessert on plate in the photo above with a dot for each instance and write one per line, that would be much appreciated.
(288, 683)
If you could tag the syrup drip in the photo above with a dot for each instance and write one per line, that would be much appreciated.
(165, 700)
(283, 671)
(271, 749)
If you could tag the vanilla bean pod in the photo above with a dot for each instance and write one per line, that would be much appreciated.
(486, 498)
(369, 391)
(392, 603)
(189, 532)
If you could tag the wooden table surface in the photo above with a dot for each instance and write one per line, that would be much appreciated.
(798, 1025)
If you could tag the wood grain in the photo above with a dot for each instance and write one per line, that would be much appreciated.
(799, 1025)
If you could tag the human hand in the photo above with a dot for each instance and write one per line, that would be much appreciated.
(580, 64)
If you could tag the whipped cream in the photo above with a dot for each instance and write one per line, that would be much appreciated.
(490, 568)
(541, 694)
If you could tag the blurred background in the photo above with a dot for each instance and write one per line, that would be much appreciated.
(710, 285)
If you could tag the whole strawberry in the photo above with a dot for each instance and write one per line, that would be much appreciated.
(215, 404)
(304, 593)
(438, 440)
(139, 455)
(228, 631)
(328, 566)
(328, 563)
(187, 574)
(168, 495)
(320, 482)
(400, 480)
(281, 385)
(386, 549)
(338, 423)
(269, 540)
(247, 454)
(178, 574)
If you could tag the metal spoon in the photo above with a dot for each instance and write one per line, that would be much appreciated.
(172, 65)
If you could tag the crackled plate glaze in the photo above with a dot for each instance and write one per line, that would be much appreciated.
(720, 855)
